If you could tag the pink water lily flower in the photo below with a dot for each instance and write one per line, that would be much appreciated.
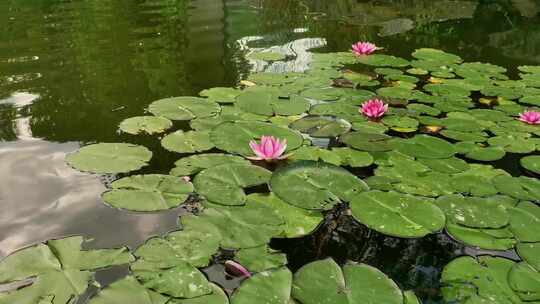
(236, 269)
(270, 148)
(186, 178)
(530, 117)
(374, 108)
(362, 48)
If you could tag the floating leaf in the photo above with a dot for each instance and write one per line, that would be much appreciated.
(371, 142)
(260, 258)
(109, 158)
(317, 186)
(180, 281)
(145, 124)
(481, 280)
(531, 163)
(187, 142)
(438, 56)
(490, 239)
(426, 146)
(221, 95)
(184, 108)
(474, 212)
(525, 281)
(525, 222)
(298, 222)
(325, 282)
(196, 163)
(248, 226)
(450, 165)
(223, 184)
(234, 137)
(267, 102)
(267, 56)
(321, 126)
(148, 192)
(128, 290)
(383, 60)
(530, 252)
(397, 214)
(60, 267)
(268, 287)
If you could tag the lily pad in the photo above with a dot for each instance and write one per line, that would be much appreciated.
(184, 108)
(438, 56)
(481, 280)
(223, 184)
(248, 226)
(128, 290)
(525, 222)
(234, 137)
(298, 222)
(325, 282)
(489, 239)
(426, 146)
(268, 287)
(109, 158)
(370, 142)
(148, 192)
(145, 124)
(321, 126)
(525, 281)
(260, 258)
(60, 267)
(221, 95)
(187, 142)
(530, 252)
(267, 102)
(397, 214)
(315, 186)
(474, 212)
(531, 163)
(196, 163)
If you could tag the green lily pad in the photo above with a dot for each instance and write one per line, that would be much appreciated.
(525, 222)
(187, 142)
(260, 258)
(148, 192)
(382, 60)
(248, 226)
(480, 153)
(489, 239)
(184, 108)
(370, 142)
(438, 56)
(180, 281)
(145, 124)
(223, 184)
(525, 281)
(267, 102)
(450, 165)
(426, 146)
(481, 280)
(325, 282)
(267, 56)
(531, 163)
(268, 287)
(109, 158)
(524, 188)
(196, 163)
(195, 247)
(411, 298)
(321, 126)
(60, 267)
(234, 137)
(128, 290)
(316, 186)
(298, 221)
(316, 154)
(221, 95)
(530, 252)
(397, 214)
(474, 212)
(353, 158)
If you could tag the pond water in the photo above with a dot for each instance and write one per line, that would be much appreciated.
(71, 71)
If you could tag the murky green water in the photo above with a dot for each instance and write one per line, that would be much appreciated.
(70, 71)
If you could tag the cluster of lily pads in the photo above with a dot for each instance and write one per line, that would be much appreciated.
(424, 150)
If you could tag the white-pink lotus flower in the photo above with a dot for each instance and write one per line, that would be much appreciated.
(530, 117)
(270, 148)
(362, 48)
(374, 108)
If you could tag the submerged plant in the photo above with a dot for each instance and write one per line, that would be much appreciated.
(363, 48)
(530, 117)
(374, 108)
(270, 148)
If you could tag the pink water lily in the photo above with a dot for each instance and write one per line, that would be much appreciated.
(270, 148)
(374, 108)
(362, 48)
(186, 178)
(236, 269)
(530, 117)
